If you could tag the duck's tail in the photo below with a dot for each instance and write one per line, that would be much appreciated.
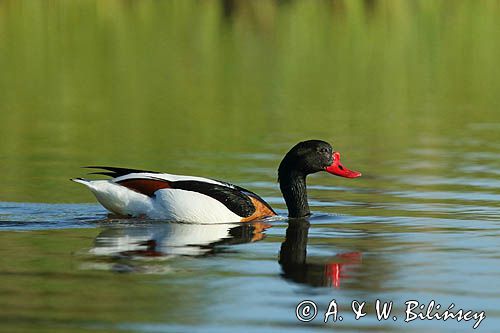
(83, 181)
(109, 194)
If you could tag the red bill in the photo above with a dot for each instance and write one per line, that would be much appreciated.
(339, 170)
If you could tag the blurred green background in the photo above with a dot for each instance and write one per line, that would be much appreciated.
(204, 87)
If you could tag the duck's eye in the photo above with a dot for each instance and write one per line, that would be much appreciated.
(323, 150)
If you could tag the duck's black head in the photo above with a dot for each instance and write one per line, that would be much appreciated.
(307, 157)
(311, 156)
(303, 159)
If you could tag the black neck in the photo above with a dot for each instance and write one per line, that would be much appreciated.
(293, 187)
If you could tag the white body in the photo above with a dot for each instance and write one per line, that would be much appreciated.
(168, 204)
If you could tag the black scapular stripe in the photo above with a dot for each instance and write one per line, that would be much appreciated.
(233, 199)
(256, 196)
(248, 193)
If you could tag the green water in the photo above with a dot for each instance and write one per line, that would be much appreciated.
(407, 91)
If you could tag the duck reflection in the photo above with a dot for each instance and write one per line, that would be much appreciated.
(295, 266)
(174, 239)
(119, 245)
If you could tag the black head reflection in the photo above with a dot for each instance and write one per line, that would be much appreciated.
(120, 246)
(295, 266)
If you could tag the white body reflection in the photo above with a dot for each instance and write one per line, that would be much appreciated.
(173, 239)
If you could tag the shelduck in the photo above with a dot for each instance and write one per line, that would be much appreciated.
(150, 194)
